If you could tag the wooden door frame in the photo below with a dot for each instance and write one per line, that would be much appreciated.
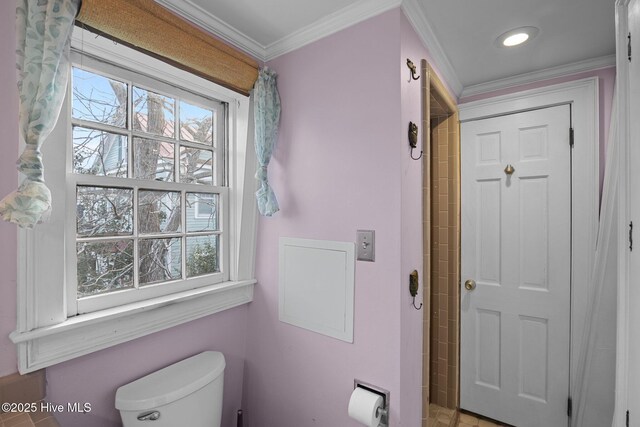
(430, 83)
(582, 95)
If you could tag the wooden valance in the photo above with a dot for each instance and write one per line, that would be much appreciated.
(146, 26)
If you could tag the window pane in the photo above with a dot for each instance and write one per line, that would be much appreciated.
(99, 99)
(153, 159)
(160, 260)
(202, 255)
(196, 124)
(196, 166)
(104, 211)
(104, 266)
(153, 113)
(159, 211)
(202, 212)
(99, 153)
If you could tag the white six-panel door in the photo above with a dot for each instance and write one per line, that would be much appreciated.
(516, 247)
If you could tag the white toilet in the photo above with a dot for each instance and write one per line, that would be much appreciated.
(187, 393)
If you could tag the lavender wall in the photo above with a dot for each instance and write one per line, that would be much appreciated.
(336, 169)
(8, 182)
(411, 229)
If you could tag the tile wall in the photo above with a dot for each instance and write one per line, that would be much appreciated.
(445, 261)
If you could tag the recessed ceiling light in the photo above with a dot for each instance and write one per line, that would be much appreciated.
(516, 37)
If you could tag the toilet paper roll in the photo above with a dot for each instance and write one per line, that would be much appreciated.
(364, 405)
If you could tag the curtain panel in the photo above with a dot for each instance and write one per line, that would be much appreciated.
(603, 279)
(266, 109)
(43, 30)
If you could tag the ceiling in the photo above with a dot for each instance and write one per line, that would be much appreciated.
(575, 35)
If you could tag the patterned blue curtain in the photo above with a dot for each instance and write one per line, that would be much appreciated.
(266, 110)
(43, 31)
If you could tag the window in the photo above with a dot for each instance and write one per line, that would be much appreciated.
(154, 215)
(148, 171)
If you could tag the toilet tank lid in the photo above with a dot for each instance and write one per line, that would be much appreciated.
(171, 383)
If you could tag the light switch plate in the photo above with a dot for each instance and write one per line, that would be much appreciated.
(366, 245)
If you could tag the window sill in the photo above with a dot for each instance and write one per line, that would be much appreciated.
(87, 333)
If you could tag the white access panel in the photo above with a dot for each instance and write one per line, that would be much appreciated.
(316, 286)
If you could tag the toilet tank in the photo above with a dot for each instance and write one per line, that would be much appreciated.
(187, 393)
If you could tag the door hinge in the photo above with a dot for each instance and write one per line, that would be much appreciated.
(569, 407)
(570, 137)
(629, 46)
(627, 419)
(631, 236)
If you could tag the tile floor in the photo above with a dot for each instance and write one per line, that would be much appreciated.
(440, 417)
(35, 419)
(443, 417)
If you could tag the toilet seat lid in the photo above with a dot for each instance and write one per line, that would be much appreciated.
(171, 383)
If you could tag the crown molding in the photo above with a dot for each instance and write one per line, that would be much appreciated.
(536, 76)
(358, 12)
(207, 21)
(440, 61)
(339, 20)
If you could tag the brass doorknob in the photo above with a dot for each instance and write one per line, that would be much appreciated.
(470, 285)
(509, 170)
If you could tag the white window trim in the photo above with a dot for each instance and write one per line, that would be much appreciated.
(45, 335)
(122, 72)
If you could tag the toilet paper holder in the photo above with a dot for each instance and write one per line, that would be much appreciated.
(386, 398)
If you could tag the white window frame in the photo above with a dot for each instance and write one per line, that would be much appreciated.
(47, 330)
(120, 297)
